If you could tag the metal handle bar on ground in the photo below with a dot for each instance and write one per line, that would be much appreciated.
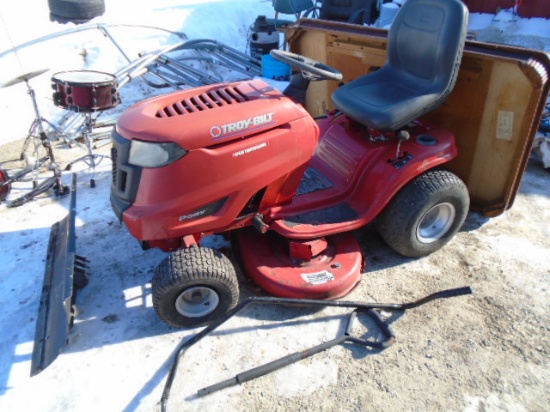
(358, 306)
(297, 356)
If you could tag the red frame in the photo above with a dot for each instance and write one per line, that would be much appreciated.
(269, 159)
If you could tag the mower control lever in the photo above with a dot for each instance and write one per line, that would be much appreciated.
(402, 136)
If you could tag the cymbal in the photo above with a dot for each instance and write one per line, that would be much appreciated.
(24, 77)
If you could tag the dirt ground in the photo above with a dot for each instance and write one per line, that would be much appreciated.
(483, 352)
(488, 351)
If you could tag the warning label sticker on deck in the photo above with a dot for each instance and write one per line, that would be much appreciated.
(318, 278)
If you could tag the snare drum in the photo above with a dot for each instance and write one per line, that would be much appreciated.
(85, 90)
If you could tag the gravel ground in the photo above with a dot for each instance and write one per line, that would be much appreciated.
(483, 352)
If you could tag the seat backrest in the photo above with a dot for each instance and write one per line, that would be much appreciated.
(426, 41)
(424, 52)
(292, 6)
(342, 10)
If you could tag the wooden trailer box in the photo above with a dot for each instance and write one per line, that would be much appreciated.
(494, 110)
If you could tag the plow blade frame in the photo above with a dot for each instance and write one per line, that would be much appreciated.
(55, 313)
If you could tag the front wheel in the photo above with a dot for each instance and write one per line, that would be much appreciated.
(194, 286)
(425, 214)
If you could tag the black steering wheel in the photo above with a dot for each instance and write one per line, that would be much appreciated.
(314, 69)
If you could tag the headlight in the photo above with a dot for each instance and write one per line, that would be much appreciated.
(147, 154)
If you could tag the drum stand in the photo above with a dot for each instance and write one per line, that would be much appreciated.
(36, 126)
(91, 159)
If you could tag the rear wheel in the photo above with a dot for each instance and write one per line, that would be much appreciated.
(194, 286)
(425, 214)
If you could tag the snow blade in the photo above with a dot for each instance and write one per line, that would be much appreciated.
(64, 272)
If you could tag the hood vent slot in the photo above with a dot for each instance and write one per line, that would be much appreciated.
(205, 101)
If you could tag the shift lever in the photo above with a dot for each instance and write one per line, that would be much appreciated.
(402, 136)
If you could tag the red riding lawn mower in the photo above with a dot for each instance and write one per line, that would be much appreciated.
(246, 160)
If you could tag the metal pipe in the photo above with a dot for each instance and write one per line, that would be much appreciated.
(104, 30)
(172, 72)
(297, 356)
(101, 27)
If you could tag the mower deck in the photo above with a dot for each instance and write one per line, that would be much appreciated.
(326, 268)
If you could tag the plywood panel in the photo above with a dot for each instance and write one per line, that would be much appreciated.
(462, 111)
(509, 106)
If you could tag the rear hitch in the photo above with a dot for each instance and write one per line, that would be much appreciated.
(65, 272)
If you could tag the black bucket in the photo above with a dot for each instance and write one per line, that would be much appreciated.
(264, 37)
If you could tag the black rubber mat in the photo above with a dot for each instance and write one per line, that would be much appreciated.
(312, 181)
(335, 214)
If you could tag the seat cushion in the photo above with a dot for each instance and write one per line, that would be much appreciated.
(383, 100)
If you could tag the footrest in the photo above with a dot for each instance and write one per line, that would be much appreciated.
(328, 216)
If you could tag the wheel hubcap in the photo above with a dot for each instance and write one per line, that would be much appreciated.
(197, 301)
(436, 222)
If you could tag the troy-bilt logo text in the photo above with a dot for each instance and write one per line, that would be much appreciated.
(218, 132)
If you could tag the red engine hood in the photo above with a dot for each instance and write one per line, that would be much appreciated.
(209, 115)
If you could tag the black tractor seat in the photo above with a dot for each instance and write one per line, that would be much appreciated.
(425, 45)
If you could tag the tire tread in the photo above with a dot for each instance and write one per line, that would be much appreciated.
(397, 214)
(192, 266)
(76, 10)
